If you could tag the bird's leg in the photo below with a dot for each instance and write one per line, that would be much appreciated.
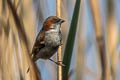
(58, 63)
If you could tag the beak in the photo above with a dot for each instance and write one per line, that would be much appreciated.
(61, 20)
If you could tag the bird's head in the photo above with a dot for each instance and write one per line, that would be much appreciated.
(52, 23)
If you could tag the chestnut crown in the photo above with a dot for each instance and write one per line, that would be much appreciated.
(52, 20)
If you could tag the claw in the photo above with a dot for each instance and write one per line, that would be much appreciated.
(58, 63)
(61, 43)
(28, 69)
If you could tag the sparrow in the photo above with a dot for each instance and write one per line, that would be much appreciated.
(48, 39)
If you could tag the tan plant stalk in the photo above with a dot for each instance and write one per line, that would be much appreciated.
(112, 38)
(59, 55)
(100, 39)
(80, 65)
(25, 45)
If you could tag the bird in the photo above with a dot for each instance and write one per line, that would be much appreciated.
(48, 39)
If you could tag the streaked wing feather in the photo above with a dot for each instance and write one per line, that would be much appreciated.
(38, 44)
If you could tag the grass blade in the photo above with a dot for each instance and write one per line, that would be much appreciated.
(70, 40)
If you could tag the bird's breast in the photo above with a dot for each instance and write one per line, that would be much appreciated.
(53, 39)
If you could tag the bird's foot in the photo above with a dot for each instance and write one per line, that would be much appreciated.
(28, 69)
(61, 43)
(58, 62)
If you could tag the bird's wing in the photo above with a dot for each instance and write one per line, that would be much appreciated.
(39, 44)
